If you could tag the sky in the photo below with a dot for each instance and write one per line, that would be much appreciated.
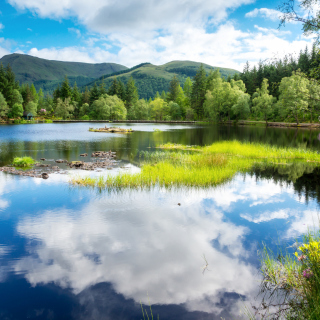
(222, 33)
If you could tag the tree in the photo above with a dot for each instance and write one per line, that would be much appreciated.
(86, 96)
(32, 107)
(198, 94)
(102, 88)
(142, 110)
(65, 91)
(131, 93)
(263, 102)
(108, 107)
(158, 109)
(313, 98)
(64, 108)
(4, 109)
(114, 88)
(76, 95)
(241, 108)
(175, 111)
(307, 12)
(17, 97)
(94, 93)
(173, 89)
(16, 110)
(293, 95)
(84, 109)
(34, 95)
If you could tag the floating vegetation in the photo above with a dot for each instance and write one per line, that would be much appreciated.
(195, 166)
(23, 162)
(111, 130)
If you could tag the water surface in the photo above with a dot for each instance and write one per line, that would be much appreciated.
(75, 253)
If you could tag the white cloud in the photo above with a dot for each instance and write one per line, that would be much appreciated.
(133, 15)
(29, 29)
(268, 215)
(140, 252)
(1, 26)
(226, 47)
(270, 14)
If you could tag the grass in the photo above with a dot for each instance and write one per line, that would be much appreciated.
(194, 166)
(291, 283)
(23, 162)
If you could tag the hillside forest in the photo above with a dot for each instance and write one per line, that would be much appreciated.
(285, 89)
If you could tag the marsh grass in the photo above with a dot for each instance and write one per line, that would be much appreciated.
(23, 162)
(194, 166)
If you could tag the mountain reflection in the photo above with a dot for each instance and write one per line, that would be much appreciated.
(141, 243)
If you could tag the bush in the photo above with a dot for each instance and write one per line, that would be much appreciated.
(85, 117)
(48, 121)
(23, 162)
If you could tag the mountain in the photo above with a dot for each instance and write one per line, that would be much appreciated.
(47, 74)
(150, 78)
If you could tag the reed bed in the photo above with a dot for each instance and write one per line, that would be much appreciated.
(194, 166)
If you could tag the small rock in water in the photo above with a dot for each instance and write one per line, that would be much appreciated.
(43, 159)
(83, 155)
(44, 175)
(179, 204)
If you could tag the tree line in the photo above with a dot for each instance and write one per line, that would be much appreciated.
(280, 90)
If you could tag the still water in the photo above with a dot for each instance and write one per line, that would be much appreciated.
(75, 253)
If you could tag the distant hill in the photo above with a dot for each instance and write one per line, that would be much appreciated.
(47, 74)
(150, 78)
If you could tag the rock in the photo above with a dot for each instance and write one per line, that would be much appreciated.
(43, 159)
(55, 168)
(83, 155)
(44, 175)
(61, 161)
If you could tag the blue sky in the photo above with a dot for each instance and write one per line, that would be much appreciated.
(223, 33)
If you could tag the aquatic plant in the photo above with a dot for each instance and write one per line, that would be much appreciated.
(179, 165)
(291, 283)
(23, 162)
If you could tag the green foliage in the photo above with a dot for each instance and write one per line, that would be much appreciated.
(263, 102)
(293, 94)
(174, 87)
(16, 111)
(4, 109)
(158, 109)
(32, 107)
(23, 162)
(198, 93)
(64, 108)
(108, 107)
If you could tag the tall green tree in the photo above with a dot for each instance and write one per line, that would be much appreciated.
(173, 89)
(131, 93)
(198, 94)
(263, 102)
(64, 108)
(65, 91)
(4, 108)
(94, 93)
(293, 95)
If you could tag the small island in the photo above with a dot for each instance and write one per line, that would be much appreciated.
(111, 130)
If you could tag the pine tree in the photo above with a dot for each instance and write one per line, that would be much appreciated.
(122, 91)
(86, 96)
(173, 89)
(199, 92)
(94, 93)
(114, 88)
(102, 87)
(76, 95)
(131, 93)
(65, 91)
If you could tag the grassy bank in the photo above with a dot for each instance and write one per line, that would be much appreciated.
(194, 166)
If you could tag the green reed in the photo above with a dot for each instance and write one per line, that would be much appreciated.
(23, 162)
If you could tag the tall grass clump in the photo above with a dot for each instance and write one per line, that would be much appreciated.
(23, 162)
(194, 166)
(291, 282)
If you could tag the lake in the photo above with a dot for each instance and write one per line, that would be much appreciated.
(77, 253)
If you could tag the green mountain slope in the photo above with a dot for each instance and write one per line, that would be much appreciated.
(47, 74)
(150, 78)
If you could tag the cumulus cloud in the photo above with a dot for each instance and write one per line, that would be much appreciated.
(76, 31)
(270, 14)
(133, 15)
(226, 47)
